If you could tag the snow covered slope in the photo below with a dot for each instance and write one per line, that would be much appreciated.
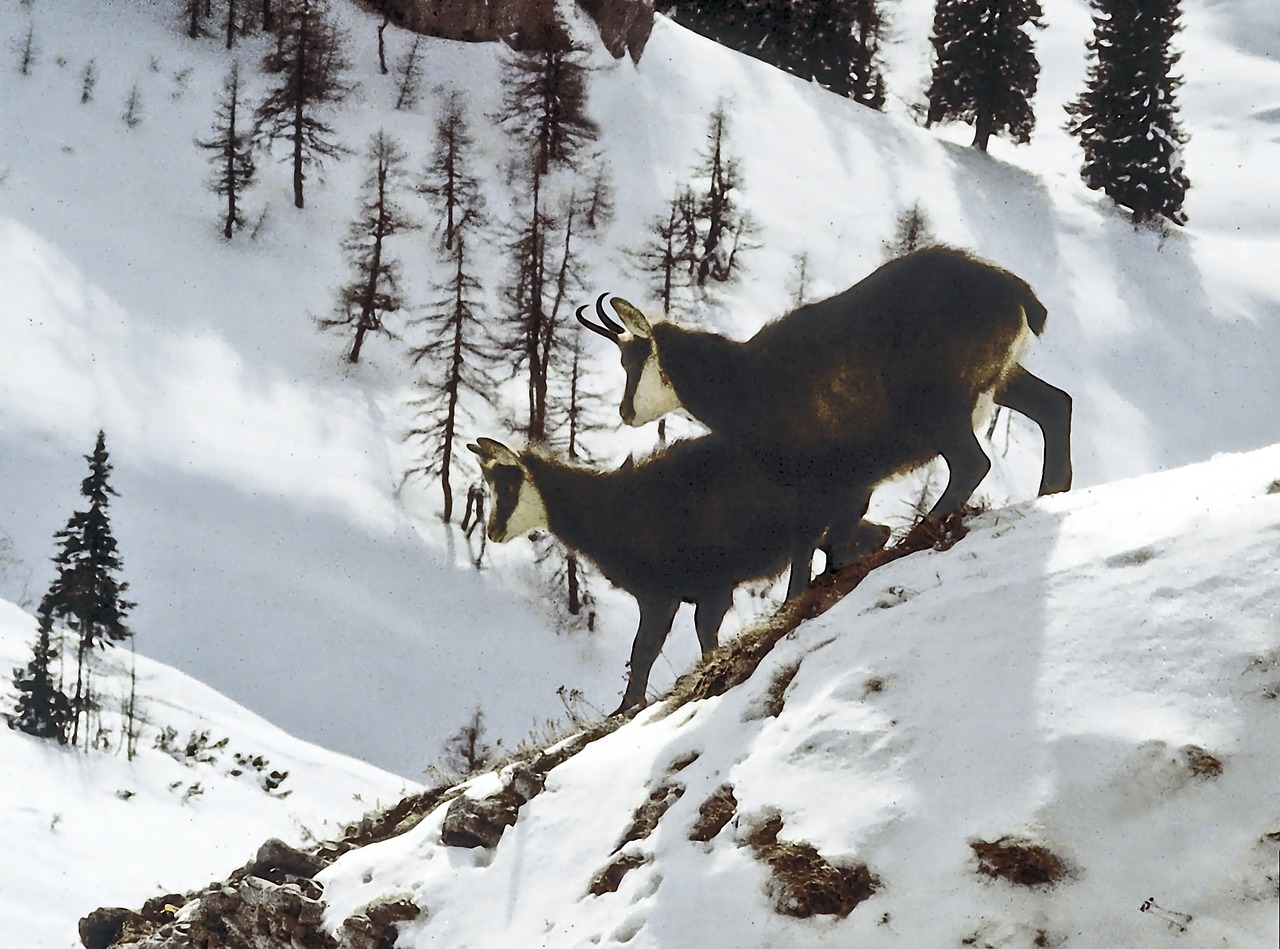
(257, 519)
(86, 829)
(1096, 675)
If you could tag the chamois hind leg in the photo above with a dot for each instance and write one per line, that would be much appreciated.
(708, 616)
(967, 465)
(655, 622)
(849, 538)
(1050, 408)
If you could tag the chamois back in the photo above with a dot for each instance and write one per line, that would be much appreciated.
(694, 519)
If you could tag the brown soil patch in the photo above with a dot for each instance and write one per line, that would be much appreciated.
(803, 883)
(714, 813)
(1019, 862)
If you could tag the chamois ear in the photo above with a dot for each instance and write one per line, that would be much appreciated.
(493, 453)
(631, 317)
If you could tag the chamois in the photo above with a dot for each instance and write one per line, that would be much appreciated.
(841, 394)
(685, 525)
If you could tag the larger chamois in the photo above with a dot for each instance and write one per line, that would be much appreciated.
(687, 525)
(841, 394)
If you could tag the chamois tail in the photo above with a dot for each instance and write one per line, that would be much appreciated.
(1035, 313)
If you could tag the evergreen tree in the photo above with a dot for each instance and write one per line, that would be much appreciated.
(27, 50)
(458, 351)
(913, 231)
(310, 61)
(985, 69)
(544, 104)
(669, 255)
(374, 288)
(721, 226)
(1126, 119)
(231, 152)
(409, 86)
(838, 45)
(544, 109)
(42, 709)
(86, 595)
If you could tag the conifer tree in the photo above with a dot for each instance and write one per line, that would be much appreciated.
(913, 230)
(985, 69)
(409, 86)
(544, 109)
(374, 288)
(1126, 119)
(458, 352)
(545, 102)
(231, 151)
(838, 45)
(310, 61)
(86, 595)
(721, 226)
(43, 709)
(669, 255)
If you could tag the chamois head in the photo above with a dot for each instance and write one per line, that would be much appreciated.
(517, 504)
(648, 394)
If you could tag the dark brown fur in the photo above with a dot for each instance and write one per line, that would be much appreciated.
(841, 394)
(686, 525)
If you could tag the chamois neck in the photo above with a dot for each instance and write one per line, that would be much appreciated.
(702, 367)
(578, 501)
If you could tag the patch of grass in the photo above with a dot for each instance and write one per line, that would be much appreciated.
(1019, 862)
(714, 813)
(1201, 763)
(803, 883)
(610, 878)
(646, 816)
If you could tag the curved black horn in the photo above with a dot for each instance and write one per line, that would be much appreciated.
(606, 319)
(610, 330)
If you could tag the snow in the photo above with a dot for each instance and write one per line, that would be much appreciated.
(87, 829)
(1052, 678)
(1042, 679)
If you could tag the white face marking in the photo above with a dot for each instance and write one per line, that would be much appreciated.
(655, 396)
(529, 514)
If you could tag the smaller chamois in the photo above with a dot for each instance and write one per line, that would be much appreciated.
(686, 525)
(841, 394)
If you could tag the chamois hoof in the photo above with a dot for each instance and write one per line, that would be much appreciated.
(627, 708)
(939, 535)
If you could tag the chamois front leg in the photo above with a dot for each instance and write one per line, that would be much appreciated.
(967, 465)
(708, 616)
(655, 622)
(1050, 408)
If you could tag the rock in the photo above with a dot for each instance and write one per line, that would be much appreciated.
(103, 926)
(524, 24)
(478, 823)
(276, 859)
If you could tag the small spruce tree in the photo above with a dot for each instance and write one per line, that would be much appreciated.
(87, 595)
(43, 709)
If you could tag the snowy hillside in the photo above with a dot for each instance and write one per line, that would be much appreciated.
(83, 829)
(1095, 674)
(257, 521)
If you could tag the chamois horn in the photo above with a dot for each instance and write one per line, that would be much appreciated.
(610, 329)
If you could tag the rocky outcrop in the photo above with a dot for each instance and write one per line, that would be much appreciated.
(523, 24)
